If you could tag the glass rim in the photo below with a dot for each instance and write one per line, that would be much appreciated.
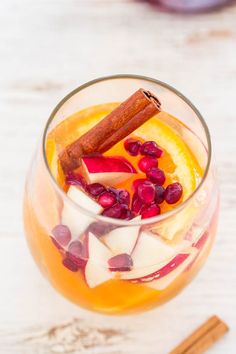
(121, 222)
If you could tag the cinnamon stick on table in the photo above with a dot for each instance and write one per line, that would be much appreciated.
(203, 338)
(126, 118)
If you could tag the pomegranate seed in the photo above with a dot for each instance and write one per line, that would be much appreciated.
(160, 194)
(100, 229)
(114, 211)
(137, 204)
(75, 179)
(62, 234)
(70, 264)
(124, 197)
(95, 189)
(146, 192)
(76, 249)
(132, 146)
(120, 263)
(106, 200)
(173, 193)
(156, 175)
(78, 252)
(151, 148)
(114, 191)
(129, 215)
(150, 211)
(80, 262)
(147, 162)
(137, 182)
(126, 213)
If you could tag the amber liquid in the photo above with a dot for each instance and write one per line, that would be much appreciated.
(41, 214)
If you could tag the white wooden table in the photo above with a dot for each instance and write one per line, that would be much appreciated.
(49, 47)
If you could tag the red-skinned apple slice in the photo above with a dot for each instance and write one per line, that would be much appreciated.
(123, 239)
(76, 220)
(194, 233)
(96, 269)
(191, 238)
(150, 251)
(109, 170)
(171, 271)
(200, 245)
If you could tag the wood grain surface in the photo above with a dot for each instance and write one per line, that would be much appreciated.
(49, 47)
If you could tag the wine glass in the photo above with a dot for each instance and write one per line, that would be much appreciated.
(73, 257)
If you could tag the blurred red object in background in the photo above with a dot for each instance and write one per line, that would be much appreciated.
(190, 5)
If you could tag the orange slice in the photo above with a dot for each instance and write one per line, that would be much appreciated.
(184, 167)
(178, 161)
(79, 123)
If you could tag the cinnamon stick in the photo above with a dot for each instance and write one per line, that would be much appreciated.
(203, 337)
(126, 118)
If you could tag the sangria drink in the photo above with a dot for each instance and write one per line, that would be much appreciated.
(121, 200)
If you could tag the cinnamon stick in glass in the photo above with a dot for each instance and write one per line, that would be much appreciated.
(126, 118)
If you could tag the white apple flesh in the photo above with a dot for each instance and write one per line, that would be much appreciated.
(194, 233)
(96, 269)
(182, 245)
(201, 244)
(76, 220)
(123, 239)
(171, 271)
(108, 170)
(177, 225)
(150, 251)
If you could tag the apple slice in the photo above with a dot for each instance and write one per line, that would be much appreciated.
(123, 239)
(181, 246)
(200, 245)
(109, 170)
(150, 251)
(194, 234)
(76, 220)
(171, 271)
(182, 242)
(96, 269)
(200, 242)
(177, 225)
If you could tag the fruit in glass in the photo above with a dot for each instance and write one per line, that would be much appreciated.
(128, 228)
